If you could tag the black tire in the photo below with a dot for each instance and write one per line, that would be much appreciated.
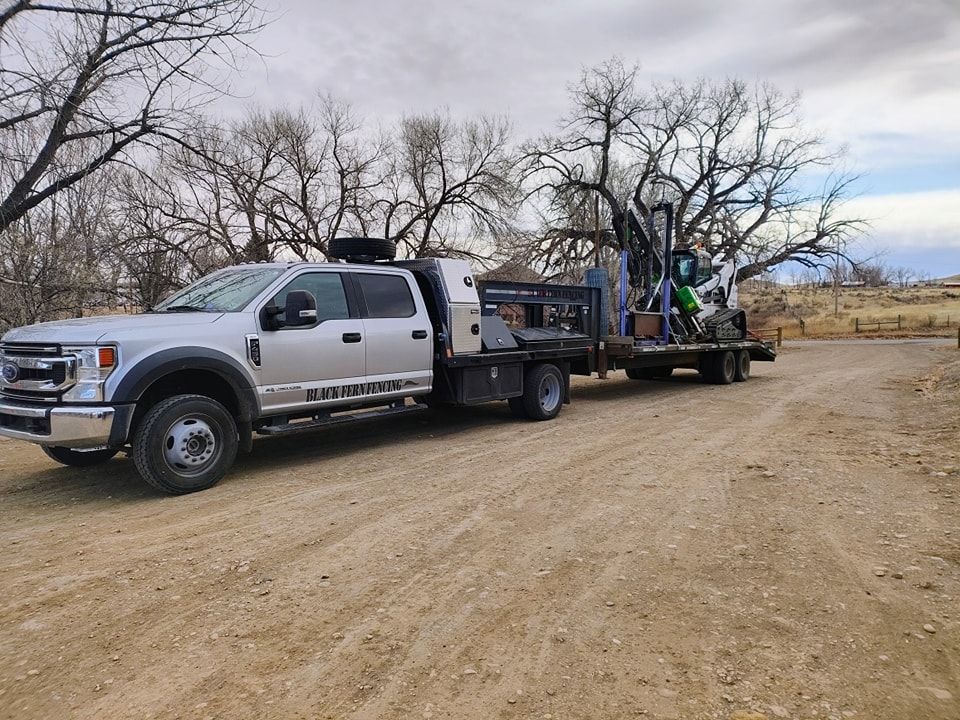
(185, 443)
(543, 392)
(78, 458)
(719, 368)
(743, 366)
(362, 249)
(517, 407)
(649, 373)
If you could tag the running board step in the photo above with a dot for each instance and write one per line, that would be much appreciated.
(305, 425)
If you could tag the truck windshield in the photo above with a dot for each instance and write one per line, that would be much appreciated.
(225, 291)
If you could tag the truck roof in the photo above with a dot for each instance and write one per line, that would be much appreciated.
(318, 263)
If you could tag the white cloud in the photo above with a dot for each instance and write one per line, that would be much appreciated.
(921, 220)
(876, 75)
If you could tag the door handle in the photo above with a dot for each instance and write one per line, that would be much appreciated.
(419, 334)
(352, 337)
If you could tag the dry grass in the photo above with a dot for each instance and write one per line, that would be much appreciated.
(923, 311)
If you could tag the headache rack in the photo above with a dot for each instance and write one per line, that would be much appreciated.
(552, 315)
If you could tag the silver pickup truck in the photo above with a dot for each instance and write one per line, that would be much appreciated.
(269, 348)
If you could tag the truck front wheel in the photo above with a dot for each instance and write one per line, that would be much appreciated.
(543, 392)
(78, 458)
(185, 443)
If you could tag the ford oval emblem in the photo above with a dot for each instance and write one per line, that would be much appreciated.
(10, 372)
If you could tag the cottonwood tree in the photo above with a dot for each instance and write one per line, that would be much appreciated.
(451, 187)
(903, 275)
(873, 274)
(59, 259)
(270, 185)
(283, 183)
(733, 159)
(102, 77)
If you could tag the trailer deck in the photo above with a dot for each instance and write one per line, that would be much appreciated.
(571, 328)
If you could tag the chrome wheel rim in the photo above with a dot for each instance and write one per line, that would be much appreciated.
(190, 446)
(549, 393)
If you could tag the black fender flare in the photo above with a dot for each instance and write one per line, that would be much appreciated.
(139, 377)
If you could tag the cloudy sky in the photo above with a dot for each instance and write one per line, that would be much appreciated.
(881, 78)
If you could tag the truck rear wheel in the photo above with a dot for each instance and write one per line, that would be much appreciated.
(185, 443)
(78, 458)
(543, 392)
(719, 368)
(743, 366)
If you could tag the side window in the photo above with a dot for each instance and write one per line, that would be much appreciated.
(326, 287)
(704, 270)
(386, 296)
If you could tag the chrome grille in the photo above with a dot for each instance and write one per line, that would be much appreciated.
(35, 372)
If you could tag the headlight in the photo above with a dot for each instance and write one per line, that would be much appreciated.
(94, 365)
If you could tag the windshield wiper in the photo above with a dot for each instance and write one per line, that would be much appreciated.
(182, 308)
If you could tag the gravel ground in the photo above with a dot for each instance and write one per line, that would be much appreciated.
(788, 547)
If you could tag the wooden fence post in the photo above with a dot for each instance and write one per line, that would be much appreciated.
(780, 336)
(856, 325)
(898, 322)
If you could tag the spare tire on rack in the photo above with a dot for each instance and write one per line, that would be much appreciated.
(362, 249)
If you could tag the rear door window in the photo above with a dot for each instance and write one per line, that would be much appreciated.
(386, 296)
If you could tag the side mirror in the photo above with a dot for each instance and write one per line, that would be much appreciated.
(300, 309)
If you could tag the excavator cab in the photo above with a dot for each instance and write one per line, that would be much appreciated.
(691, 267)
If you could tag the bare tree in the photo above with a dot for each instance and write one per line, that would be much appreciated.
(729, 156)
(273, 183)
(101, 77)
(58, 260)
(332, 174)
(903, 275)
(873, 274)
(451, 186)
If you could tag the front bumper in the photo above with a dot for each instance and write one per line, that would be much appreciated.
(64, 425)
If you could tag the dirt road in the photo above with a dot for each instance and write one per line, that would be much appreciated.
(663, 550)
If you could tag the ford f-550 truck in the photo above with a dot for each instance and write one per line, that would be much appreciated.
(276, 348)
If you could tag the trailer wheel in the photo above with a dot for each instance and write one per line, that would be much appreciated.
(719, 368)
(78, 458)
(185, 443)
(743, 366)
(543, 392)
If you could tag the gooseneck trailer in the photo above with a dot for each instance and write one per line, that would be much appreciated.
(279, 348)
